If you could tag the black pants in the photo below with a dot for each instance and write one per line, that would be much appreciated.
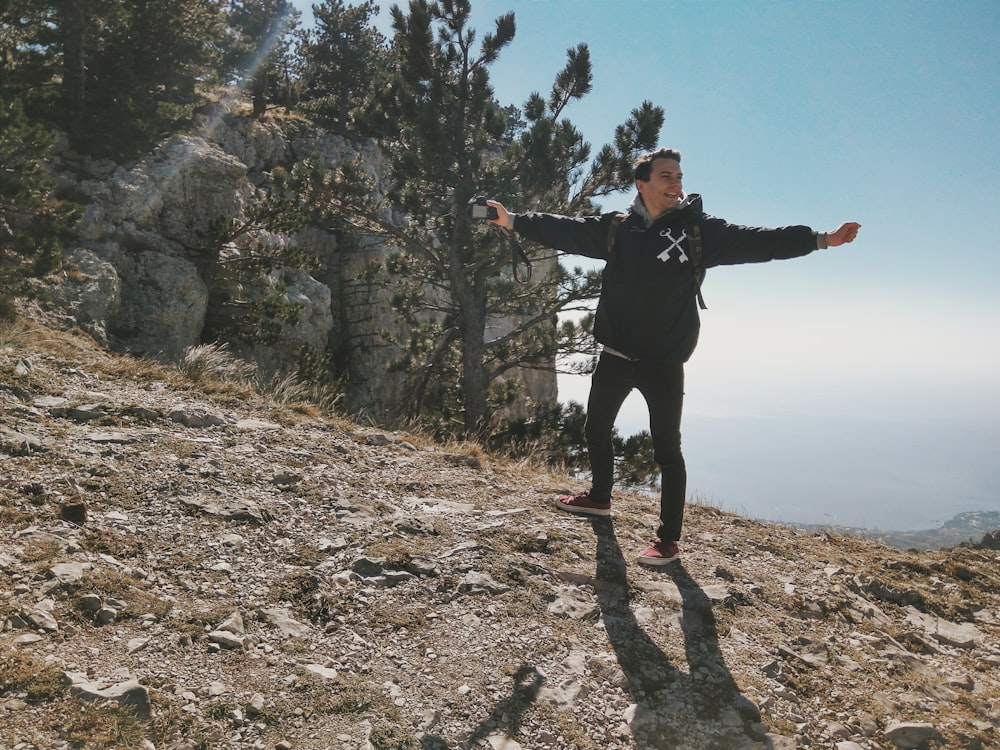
(662, 385)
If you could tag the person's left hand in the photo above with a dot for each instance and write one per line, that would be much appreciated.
(845, 233)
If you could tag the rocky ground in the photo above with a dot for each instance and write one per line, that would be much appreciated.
(186, 563)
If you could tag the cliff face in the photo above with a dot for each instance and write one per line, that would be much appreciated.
(143, 275)
(187, 567)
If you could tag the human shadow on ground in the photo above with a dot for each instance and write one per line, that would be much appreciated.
(669, 703)
(667, 699)
(506, 718)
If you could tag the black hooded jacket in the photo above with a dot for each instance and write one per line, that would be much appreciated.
(647, 309)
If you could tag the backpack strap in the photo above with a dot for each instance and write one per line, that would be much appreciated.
(616, 221)
(694, 246)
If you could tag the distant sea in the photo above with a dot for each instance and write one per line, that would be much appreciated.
(846, 472)
(878, 477)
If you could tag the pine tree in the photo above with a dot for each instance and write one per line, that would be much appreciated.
(34, 224)
(344, 64)
(116, 76)
(258, 48)
(27, 69)
(450, 140)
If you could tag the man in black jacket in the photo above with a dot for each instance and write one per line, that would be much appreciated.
(647, 315)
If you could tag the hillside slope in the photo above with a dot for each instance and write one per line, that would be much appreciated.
(193, 566)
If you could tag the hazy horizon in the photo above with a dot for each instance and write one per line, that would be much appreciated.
(882, 469)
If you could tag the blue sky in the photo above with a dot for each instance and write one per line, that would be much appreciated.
(883, 355)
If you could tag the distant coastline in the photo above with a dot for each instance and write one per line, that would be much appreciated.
(965, 527)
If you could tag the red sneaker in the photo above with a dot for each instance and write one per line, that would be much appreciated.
(660, 553)
(583, 504)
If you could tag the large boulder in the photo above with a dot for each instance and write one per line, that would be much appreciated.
(180, 192)
(260, 145)
(162, 308)
(86, 294)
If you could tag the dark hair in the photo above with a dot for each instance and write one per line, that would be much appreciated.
(644, 164)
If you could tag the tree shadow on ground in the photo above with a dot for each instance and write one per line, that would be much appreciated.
(669, 703)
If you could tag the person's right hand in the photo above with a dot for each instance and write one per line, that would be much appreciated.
(503, 219)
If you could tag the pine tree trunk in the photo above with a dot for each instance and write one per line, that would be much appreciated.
(474, 384)
(471, 300)
(74, 42)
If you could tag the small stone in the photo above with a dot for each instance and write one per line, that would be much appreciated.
(225, 639)
(910, 735)
(129, 693)
(91, 603)
(287, 479)
(280, 619)
(325, 672)
(137, 644)
(27, 639)
(215, 689)
(256, 706)
(74, 512)
(233, 624)
(42, 620)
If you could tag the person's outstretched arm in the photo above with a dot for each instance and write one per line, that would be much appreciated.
(576, 235)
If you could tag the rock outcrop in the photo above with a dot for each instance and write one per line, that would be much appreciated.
(145, 276)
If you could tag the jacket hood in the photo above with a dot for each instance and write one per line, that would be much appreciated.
(638, 208)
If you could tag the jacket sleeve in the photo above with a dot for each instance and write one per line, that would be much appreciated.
(586, 235)
(725, 244)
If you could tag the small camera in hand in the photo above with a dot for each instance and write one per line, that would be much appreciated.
(477, 209)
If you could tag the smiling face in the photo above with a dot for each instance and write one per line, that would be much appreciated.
(664, 188)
